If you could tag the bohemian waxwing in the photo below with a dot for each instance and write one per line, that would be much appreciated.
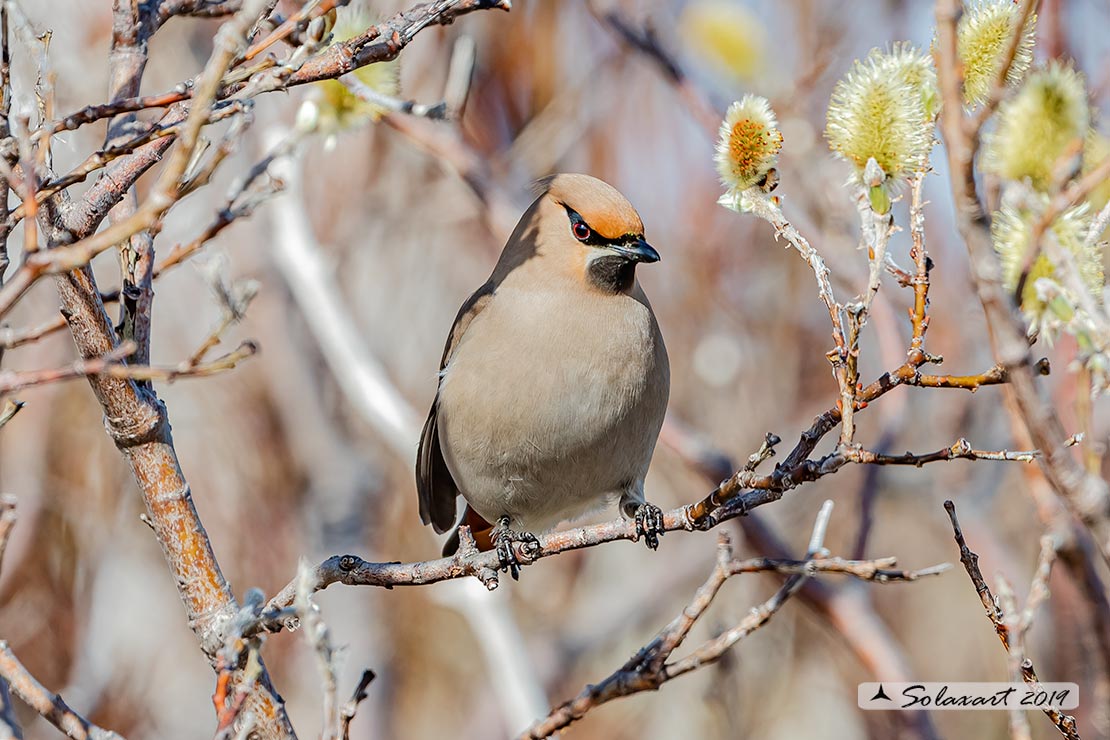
(554, 380)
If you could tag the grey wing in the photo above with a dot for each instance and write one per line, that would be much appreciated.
(435, 487)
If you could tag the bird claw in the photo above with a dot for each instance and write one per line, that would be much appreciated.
(649, 524)
(503, 540)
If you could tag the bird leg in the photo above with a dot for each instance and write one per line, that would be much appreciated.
(503, 540)
(649, 524)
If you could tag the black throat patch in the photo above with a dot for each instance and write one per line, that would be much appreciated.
(612, 273)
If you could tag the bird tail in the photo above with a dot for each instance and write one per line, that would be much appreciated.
(479, 527)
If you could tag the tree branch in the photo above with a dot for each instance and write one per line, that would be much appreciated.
(112, 365)
(651, 667)
(1085, 494)
(50, 706)
(1064, 723)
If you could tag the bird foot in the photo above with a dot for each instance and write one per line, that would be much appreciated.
(649, 524)
(503, 540)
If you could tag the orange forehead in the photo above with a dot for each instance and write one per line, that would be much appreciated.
(599, 204)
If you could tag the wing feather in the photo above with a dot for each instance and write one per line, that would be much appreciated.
(434, 484)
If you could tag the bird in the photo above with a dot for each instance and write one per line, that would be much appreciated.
(553, 382)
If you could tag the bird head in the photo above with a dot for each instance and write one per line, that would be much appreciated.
(591, 231)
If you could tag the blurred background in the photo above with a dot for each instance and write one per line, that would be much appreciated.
(307, 449)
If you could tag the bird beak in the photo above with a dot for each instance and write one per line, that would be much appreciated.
(638, 251)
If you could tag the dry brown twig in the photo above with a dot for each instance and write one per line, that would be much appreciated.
(652, 666)
(49, 706)
(113, 365)
(1011, 628)
(347, 714)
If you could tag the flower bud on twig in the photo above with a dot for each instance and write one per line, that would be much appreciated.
(882, 112)
(747, 149)
(981, 41)
(1039, 127)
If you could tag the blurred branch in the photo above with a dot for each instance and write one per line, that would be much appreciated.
(1099, 224)
(11, 408)
(9, 724)
(449, 149)
(436, 111)
(7, 521)
(643, 38)
(50, 707)
(347, 714)
(311, 281)
(318, 637)
(651, 667)
(112, 365)
(1085, 494)
(1006, 633)
(166, 9)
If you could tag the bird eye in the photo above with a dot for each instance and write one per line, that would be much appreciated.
(581, 231)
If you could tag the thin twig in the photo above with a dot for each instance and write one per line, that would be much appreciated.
(7, 522)
(318, 637)
(768, 207)
(1064, 723)
(50, 706)
(435, 111)
(112, 365)
(651, 667)
(347, 713)
(962, 449)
